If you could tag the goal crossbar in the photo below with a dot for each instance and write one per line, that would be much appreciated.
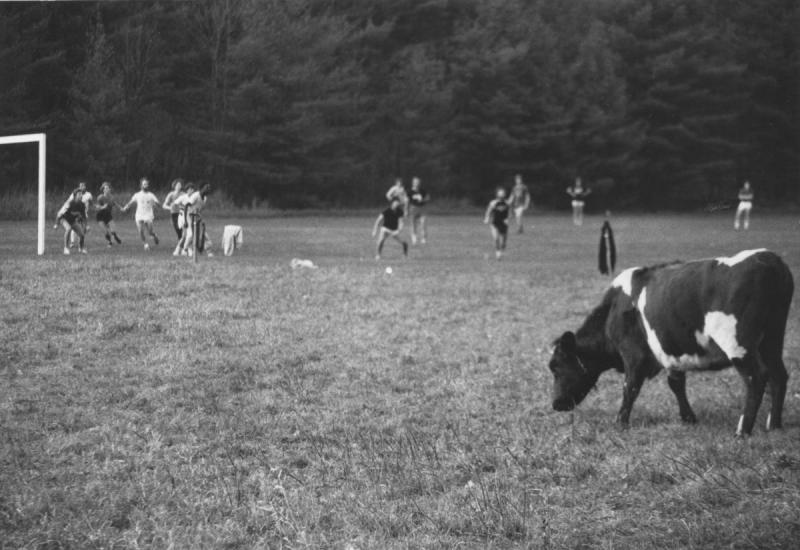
(41, 139)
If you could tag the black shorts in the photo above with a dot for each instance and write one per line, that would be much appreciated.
(103, 217)
(71, 219)
(176, 223)
(502, 228)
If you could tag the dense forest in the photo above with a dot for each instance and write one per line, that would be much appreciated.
(316, 103)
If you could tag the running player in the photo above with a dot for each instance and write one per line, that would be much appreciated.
(145, 201)
(416, 211)
(182, 204)
(72, 217)
(497, 215)
(174, 209)
(578, 194)
(520, 200)
(745, 206)
(390, 223)
(104, 205)
(398, 191)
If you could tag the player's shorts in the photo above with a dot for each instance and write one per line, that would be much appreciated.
(518, 210)
(502, 228)
(144, 220)
(577, 204)
(745, 206)
(415, 211)
(177, 222)
(65, 223)
(103, 216)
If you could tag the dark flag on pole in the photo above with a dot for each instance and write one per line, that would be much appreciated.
(607, 257)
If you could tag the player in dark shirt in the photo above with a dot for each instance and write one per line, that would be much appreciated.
(390, 224)
(497, 215)
(104, 205)
(72, 218)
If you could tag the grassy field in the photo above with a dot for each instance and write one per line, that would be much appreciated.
(148, 402)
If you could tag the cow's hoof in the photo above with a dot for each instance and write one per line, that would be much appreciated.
(689, 419)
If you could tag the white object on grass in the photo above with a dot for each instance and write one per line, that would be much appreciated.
(41, 139)
(388, 270)
(298, 263)
(232, 238)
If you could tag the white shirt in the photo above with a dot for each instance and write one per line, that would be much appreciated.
(145, 201)
(171, 201)
(195, 203)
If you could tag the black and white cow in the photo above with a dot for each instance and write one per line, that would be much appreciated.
(701, 315)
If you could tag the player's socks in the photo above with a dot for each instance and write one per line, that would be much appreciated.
(66, 251)
(405, 248)
(108, 238)
(155, 238)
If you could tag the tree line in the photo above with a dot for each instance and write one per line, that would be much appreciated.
(316, 103)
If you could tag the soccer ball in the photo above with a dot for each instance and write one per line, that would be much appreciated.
(388, 270)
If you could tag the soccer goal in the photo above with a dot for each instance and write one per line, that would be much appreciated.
(41, 139)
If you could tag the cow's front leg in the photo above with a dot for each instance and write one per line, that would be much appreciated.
(634, 378)
(754, 375)
(677, 383)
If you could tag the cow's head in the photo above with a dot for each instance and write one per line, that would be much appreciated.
(571, 379)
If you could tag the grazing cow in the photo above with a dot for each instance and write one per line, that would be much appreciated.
(701, 315)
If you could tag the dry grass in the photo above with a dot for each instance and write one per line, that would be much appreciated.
(149, 402)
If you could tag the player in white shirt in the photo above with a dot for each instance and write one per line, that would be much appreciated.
(145, 213)
(170, 203)
(191, 204)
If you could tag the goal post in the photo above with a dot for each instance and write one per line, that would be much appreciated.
(41, 139)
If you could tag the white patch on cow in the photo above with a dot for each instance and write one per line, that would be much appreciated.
(721, 327)
(718, 327)
(740, 257)
(685, 361)
(740, 426)
(625, 281)
(769, 421)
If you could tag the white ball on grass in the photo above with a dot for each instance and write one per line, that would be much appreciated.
(388, 270)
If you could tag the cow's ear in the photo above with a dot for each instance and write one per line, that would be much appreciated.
(567, 342)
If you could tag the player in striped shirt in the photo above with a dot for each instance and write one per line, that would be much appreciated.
(745, 206)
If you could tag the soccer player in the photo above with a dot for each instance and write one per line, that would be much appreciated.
(416, 211)
(578, 194)
(86, 198)
(745, 206)
(104, 205)
(175, 209)
(145, 201)
(192, 204)
(390, 223)
(398, 191)
(72, 217)
(497, 215)
(520, 200)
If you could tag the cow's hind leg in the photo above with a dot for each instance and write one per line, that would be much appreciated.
(754, 373)
(677, 383)
(771, 350)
